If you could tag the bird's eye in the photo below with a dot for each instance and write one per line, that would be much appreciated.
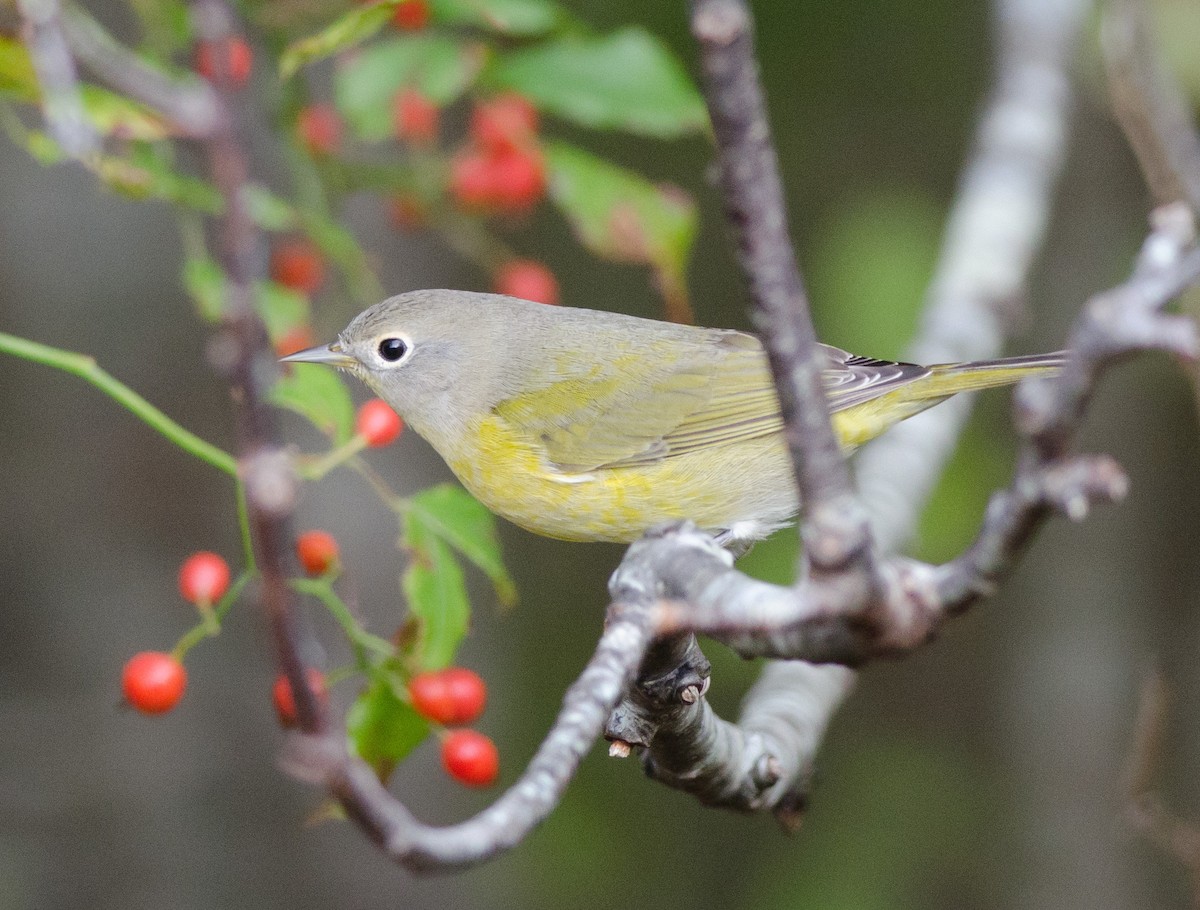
(392, 349)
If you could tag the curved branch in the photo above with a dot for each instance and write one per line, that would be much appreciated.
(994, 231)
(508, 820)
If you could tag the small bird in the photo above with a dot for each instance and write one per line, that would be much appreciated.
(586, 425)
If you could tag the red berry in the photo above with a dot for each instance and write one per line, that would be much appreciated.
(466, 692)
(470, 758)
(411, 15)
(448, 697)
(231, 58)
(203, 578)
(520, 179)
(320, 129)
(471, 180)
(510, 181)
(504, 123)
(294, 339)
(414, 117)
(528, 280)
(431, 697)
(284, 698)
(153, 682)
(377, 423)
(317, 551)
(297, 264)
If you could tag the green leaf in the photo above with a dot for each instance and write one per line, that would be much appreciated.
(383, 729)
(110, 113)
(343, 33)
(520, 18)
(18, 80)
(281, 308)
(317, 393)
(438, 66)
(621, 215)
(628, 80)
(458, 518)
(436, 593)
(205, 283)
(166, 27)
(115, 115)
(153, 179)
(268, 211)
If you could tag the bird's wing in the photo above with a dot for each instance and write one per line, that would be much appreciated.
(851, 379)
(639, 407)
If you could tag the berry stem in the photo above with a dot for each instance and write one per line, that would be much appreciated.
(243, 511)
(323, 464)
(86, 368)
(211, 617)
(361, 640)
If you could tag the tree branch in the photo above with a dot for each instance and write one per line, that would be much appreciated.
(191, 105)
(243, 354)
(508, 820)
(821, 621)
(834, 526)
(62, 104)
(994, 231)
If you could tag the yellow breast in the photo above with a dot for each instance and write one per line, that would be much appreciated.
(716, 487)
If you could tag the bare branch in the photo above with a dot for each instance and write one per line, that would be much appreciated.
(191, 105)
(822, 620)
(994, 231)
(834, 527)
(508, 820)
(243, 354)
(61, 102)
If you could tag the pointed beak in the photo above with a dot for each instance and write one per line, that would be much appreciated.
(328, 354)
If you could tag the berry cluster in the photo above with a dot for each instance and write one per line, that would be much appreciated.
(153, 682)
(453, 697)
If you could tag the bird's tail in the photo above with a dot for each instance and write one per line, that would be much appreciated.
(947, 379)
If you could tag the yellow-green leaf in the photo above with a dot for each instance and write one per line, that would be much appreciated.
(205, 283)
(628, 80)
(440, 67)
(459, 519)
(281, 308)
(343, 33)
(619, 214)
(317, 393)
(436, 593)
(383, 728)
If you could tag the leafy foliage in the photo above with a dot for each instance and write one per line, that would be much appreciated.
(471, 52)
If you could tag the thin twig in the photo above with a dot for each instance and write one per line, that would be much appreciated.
(190, 105)
(243, 353)
(834, 525)
(817, 621)
(994, 231)
(507, 821)
(62, 103)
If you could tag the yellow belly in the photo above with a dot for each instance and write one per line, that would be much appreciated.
(717, 487)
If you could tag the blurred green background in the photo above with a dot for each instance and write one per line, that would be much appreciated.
(983, 771)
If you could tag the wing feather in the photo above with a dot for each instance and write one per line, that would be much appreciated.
(646, 403)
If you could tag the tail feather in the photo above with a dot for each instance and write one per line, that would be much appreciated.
(949, 378)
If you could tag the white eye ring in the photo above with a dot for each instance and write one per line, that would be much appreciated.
(393, 349)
